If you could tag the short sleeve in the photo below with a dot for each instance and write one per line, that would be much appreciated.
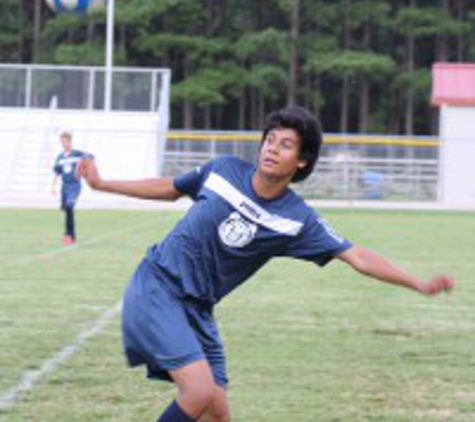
(57, 169)
(191, 183)
(317, 242)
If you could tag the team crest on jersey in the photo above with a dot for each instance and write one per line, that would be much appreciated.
(236, 231)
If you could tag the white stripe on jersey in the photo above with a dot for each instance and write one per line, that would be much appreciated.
(330, 231)
(68, 160)
(249, 208)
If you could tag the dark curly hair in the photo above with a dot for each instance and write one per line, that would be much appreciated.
(307, 127)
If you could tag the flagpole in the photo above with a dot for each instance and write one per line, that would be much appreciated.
(109, 56)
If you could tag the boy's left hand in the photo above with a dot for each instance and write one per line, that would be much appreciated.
(437, 284)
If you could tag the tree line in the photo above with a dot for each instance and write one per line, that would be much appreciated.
(364, 66)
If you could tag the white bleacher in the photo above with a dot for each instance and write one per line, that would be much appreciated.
(125, 145)
(39, 101)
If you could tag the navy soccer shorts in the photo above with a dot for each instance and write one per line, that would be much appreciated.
(166, 332)
(69, 195)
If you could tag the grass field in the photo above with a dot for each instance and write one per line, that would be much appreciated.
(303, 344)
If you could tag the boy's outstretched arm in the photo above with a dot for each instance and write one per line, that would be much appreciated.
(158, 188)
(375, 266)
(54, 184)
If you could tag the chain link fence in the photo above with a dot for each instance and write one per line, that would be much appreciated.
(350, 167)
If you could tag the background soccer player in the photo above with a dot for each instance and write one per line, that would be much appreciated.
(65, 167)
(243, 215)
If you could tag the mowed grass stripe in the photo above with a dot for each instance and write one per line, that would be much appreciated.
(31, 259)
(30, 379)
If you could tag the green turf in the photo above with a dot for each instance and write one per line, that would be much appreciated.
(303, 344)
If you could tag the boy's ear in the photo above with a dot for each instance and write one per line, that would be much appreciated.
(301, 164)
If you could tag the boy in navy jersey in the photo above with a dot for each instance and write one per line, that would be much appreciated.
(243, 215)
(65, 167)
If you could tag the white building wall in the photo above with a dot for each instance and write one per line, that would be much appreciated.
(457, 156)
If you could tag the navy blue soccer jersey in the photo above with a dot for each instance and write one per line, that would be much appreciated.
(229, 232)
(65, 166)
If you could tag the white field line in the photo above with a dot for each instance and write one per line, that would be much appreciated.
(68, 249)
(30, 379)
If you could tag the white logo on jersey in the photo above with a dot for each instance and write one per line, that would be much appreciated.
(236, 231)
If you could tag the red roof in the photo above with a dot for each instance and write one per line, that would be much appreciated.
(453, 84)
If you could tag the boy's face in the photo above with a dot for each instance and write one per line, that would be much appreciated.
(280, 153)
(66, 142)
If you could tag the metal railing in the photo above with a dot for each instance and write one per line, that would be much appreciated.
(81, 88)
